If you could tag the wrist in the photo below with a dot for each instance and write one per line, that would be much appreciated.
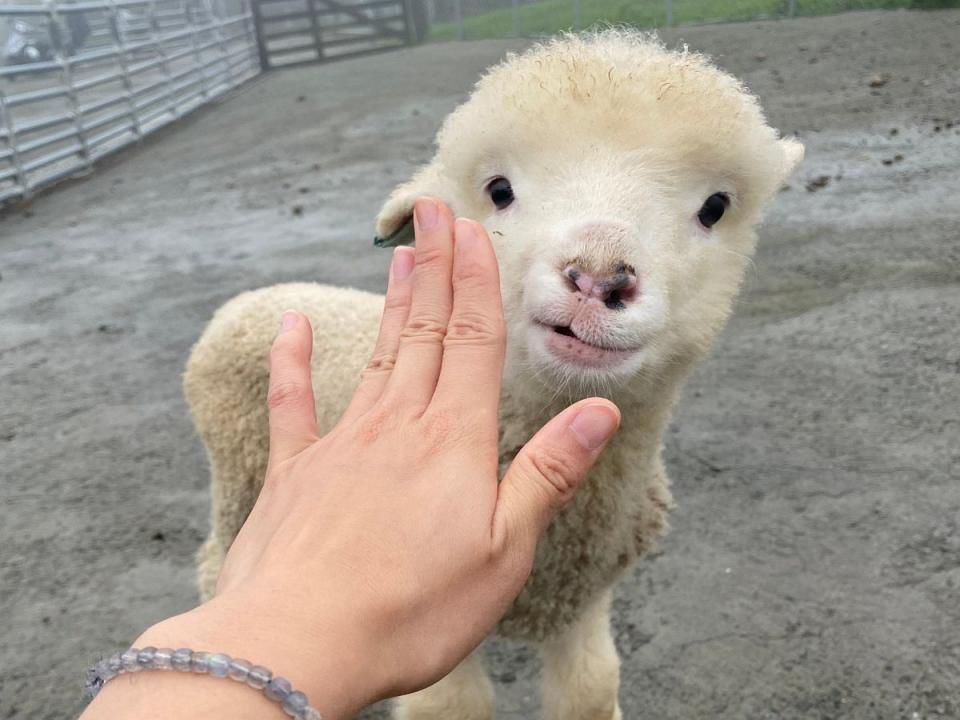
(327, 659)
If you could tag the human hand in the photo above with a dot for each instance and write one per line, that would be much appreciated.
(383, 552)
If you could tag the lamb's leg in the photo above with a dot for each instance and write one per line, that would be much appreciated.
(581, 669)
(229, 411)
(464, 694)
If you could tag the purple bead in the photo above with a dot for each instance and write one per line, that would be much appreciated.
(145, 657)
(239, 669)
(258, 677)
(115, 663)
(295, 704)
(278, 689)
(309, 713)
(163, 658)
(94, 681)
(130, 660)
(181, 660)
(219, 664)
(103, 672)
(200, 662)
(107, 669)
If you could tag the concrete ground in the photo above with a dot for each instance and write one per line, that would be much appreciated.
(814, 566)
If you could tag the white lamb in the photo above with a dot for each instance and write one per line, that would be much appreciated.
(621, 183)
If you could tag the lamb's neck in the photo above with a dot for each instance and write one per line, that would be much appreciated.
(645, 414)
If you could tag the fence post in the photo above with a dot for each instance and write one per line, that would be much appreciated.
(669, 4)
(792, 8)
(6, 121)
(123, 60)
(216, 15)
(66, 76)
(258, 29)
(577, 17)
(515, 13)
(191, 22)
(315, 27)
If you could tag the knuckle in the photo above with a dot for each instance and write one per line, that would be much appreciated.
(380, 362)
(372, 426)
(424, 329)
(557, 472)
(475, 327)
(432, 258)
(284, 393)
(472, 274)
(438, 427)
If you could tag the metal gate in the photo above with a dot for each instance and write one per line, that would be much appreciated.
(297, 31)
(81, 79)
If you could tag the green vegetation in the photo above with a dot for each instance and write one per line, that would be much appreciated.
(544, 17)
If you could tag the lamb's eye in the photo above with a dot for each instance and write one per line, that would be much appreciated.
(713, 208)
(500, 191)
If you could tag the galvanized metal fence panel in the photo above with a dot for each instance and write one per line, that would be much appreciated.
(139, 65)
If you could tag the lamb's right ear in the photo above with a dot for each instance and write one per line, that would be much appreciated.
(395, 221)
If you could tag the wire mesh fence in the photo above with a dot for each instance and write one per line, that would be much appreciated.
(81, 80)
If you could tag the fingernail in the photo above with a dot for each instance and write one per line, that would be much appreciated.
(594, 425)
(288, 320)
(404, 259)
(426, 213)
(466, 235)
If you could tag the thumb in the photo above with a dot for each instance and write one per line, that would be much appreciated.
(548, 470)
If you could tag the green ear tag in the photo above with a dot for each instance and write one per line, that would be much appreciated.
(402, 236)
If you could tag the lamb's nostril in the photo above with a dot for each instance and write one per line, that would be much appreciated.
(577, 280)
(614, 302)
(614, 290)
(620, 289)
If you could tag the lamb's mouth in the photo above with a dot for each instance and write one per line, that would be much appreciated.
(563, 342)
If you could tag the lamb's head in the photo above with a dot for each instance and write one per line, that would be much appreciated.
(620, 183)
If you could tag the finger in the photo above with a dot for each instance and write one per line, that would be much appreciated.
(293, 420)
(421, 341)
(396, 308)
(548, 470)
(474, 346)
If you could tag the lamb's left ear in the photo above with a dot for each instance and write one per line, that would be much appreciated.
(395, 221)
(792, 157)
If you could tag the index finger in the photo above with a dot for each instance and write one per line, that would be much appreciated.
(474, 346)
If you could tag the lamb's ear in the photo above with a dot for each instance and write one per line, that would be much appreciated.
(792, 157)
(395, 221)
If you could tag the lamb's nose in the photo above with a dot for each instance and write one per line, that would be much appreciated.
(615, 289)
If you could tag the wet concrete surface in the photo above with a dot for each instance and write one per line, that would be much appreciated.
(813, 570)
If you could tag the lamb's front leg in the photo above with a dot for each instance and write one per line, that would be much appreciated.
(464, 694)
(581, 669)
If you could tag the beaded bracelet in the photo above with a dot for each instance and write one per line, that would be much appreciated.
(277, 689)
